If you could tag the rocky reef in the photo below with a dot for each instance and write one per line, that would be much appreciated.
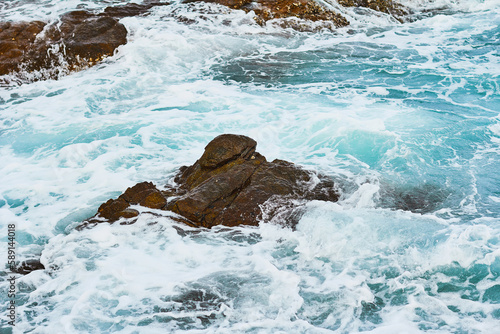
(80, 39)
(231, 184)
(266, 10)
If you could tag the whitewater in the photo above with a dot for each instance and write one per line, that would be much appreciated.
(405, 117)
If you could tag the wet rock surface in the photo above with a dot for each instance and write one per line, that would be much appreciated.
(423, 198)
(311, 10)
(27, 266)
(385, 6)
(229, 185)
(144, 194)
(15, 41)
(78, 40)
(131, 9)
(266, 10)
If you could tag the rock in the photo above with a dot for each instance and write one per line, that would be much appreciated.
(422, 198)
(131, 9)
(397, 10)
(28, 266)
(145, 194)
(266, 10)
(229, 185)
(79, 40)
(87, 38)
(266, 181)
(16, 39)
(225, 148)
(311, 10)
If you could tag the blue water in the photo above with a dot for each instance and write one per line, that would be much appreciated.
(405, 117)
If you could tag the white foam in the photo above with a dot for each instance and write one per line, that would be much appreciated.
(378, 90)
(463, 5)
(380, 104)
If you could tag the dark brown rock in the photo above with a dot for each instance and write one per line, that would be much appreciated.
(15, 40)
(131, 9)
(144, 193)
(88, 38)
(235, 4)
(386, 6)
(204, 203)
(266, 10)
(276, 180)
(225, 148)
(113, 209)
(28, 266)
(302, 9)
(311, 10)
(233, 193)
(229, 185)
(80, 39)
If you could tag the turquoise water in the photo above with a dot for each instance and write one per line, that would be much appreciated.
(405, 117)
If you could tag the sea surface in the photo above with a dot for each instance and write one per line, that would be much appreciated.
(404, 116)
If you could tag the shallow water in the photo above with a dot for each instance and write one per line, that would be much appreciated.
(406, 118)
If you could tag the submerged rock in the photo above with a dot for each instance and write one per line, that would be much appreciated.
(131, 9)
(423, 198)
(229, 185)
(78, 40)
(28, 266)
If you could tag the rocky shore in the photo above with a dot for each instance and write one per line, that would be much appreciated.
(395, 9)
(266, 10)
(231, 184)
(79, 39)
(41, 50)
